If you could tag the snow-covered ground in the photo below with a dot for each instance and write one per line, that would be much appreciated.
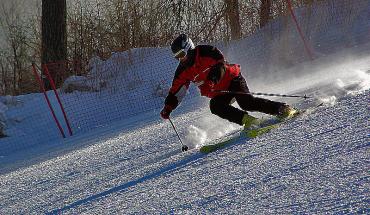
(317, 163)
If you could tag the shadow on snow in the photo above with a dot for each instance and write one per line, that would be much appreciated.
(167, 169)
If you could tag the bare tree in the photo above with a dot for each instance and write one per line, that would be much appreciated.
(265, 12)
(54, 35)
(233, 16)
(15, 52)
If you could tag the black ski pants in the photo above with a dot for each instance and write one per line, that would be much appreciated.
(221, 105)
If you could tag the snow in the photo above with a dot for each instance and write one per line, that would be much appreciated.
(315, 164)
(318, 163)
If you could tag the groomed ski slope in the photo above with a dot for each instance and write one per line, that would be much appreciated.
(316, 164)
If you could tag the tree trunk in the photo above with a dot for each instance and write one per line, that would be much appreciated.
(232, 13)
(265, 12)
(54, 36)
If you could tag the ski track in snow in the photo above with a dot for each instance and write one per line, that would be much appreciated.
(316, 164)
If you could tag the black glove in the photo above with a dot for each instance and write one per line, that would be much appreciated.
(216, 72)
(166, 111)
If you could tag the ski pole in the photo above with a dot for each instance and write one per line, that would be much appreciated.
(184, 147)
(263, 94)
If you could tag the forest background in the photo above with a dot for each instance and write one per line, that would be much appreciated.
(100, 28)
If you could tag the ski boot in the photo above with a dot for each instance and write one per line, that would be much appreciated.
(286, 112)
(250, 122)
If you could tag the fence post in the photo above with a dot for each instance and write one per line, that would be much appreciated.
(47, 99)
(46, 70)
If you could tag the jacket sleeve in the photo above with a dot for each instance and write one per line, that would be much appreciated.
(179, 88)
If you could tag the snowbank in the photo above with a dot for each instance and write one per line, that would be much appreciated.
(6, 103)
(82, 84)
(3, 108)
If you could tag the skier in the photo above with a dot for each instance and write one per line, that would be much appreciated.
(205, 66)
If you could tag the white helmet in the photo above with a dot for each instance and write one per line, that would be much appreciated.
(181, 45)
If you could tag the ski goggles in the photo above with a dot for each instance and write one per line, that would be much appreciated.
(180, 54)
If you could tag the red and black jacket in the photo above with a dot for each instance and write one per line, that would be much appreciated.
(196, 69)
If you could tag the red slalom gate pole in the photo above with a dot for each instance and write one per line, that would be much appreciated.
(299, 30)
(47, 99)
(46, 70)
